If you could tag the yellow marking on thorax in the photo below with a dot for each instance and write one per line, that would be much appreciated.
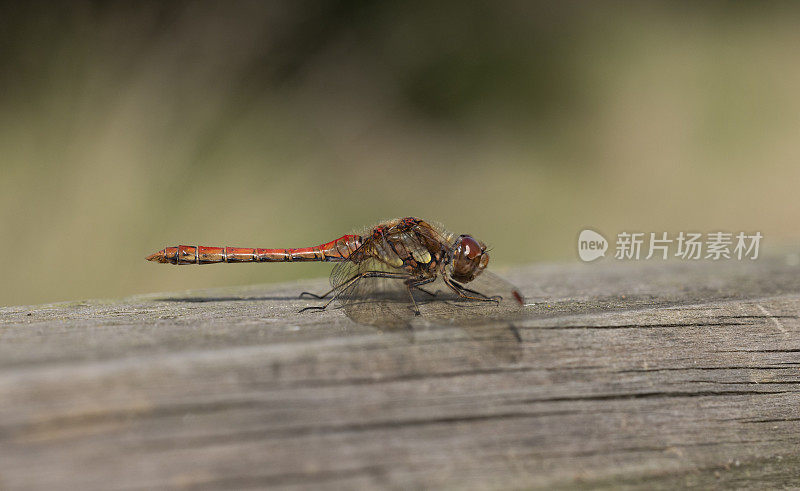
(417, 250)
(384, 251)
(421, 256)
(393, 260)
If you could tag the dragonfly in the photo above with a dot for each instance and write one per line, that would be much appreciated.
(385, 269)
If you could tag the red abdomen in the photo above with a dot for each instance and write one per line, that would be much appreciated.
(335, 250)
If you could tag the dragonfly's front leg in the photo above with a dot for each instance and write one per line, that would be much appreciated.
(462, 292)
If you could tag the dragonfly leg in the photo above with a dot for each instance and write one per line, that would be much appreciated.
(464, 288)
(462, 292)
(418, 285)
(317, 307)
(496, 298)
(413, 302)
(318, 297)
(343, 287)
(412, 283)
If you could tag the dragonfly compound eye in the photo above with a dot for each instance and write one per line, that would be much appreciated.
(469, 259)
(470, 247)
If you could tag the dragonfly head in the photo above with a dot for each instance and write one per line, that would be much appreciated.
(469, 259)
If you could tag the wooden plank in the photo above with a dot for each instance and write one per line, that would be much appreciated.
(635, 375)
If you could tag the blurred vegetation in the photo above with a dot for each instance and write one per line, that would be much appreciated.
(127, 127)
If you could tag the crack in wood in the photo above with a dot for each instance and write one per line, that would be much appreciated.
(655, 395)
(640, 326)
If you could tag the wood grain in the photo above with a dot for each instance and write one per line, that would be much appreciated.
(647, 375)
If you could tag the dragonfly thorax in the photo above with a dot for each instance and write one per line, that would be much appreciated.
(469, 259)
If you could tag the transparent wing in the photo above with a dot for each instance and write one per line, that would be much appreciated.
(373, 293)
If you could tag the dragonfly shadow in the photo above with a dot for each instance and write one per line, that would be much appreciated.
(282, 298)
(487, 324)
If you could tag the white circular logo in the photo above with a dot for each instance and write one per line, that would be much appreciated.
(591, 245)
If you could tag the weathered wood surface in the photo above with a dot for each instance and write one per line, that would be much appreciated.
(637, 375)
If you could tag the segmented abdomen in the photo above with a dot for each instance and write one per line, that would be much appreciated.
(335, 250)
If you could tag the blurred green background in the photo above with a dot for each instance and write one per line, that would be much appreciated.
(129, 126)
